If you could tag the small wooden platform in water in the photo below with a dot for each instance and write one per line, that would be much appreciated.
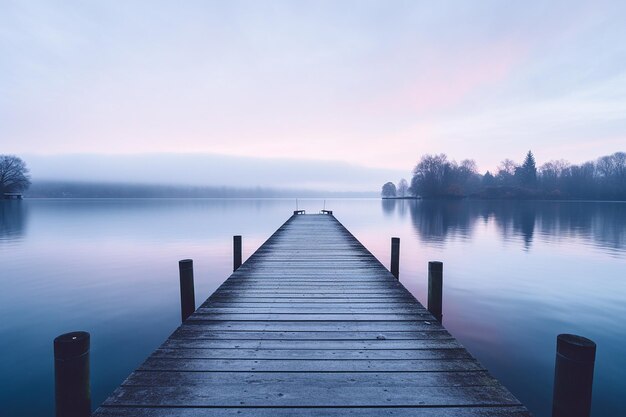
(312, 324)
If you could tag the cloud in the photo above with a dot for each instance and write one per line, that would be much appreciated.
(446, 79)
(581, 125)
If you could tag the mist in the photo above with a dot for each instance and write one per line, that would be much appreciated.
(209, 170)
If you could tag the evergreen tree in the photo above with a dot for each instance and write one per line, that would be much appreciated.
(527, 173)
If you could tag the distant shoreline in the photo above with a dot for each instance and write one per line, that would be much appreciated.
(65, 189)
(307, 197)
(503, 199)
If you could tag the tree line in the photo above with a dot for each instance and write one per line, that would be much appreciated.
(435, 176)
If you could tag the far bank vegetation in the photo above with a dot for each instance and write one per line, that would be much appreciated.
(435, 176)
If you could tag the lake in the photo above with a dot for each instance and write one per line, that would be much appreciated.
(515, 275)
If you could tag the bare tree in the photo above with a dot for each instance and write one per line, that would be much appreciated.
(604, 166)
(403, 187)
(551, 173)
(13, 174)
(507, 166)
(430, 175)
(389, 190)
(469, 166)
(506, 172)
(468, 176)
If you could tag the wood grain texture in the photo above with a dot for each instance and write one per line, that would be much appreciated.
(312, 324)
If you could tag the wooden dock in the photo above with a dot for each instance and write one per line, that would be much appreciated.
(312, 324)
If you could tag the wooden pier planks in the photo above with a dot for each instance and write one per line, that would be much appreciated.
(312, 324)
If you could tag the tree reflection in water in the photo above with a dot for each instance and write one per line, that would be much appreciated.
(13, 219)
(435, 221)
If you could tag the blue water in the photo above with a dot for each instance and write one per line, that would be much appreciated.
(516, 274)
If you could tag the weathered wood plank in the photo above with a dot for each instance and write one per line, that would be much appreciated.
(319, 299)
(207, 343)
(306, 308)
(266, 395)
(308, 365)
(197, 333)
(314, 293)
(395, 354)
(202, 314)
(329, 380)
(514, 411)
(321, 303)
(316, 326)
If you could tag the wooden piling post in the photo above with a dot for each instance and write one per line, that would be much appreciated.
(236, 252)
(395, 257)
(435, 289)
(187, 295)
(573, 376)
(71, 375)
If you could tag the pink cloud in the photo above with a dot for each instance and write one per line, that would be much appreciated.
(447, 77)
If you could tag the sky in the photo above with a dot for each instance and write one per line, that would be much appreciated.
(306, 85)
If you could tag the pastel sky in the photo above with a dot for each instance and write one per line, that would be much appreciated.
(363, 83)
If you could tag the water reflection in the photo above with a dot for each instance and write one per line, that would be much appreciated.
(403, 206)
(13, 219)
(389, 206)
(602, 224)
(436, 220)
(514, 220)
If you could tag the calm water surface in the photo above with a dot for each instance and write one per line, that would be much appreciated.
(516, 274)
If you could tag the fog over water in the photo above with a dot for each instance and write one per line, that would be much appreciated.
(211, 170)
